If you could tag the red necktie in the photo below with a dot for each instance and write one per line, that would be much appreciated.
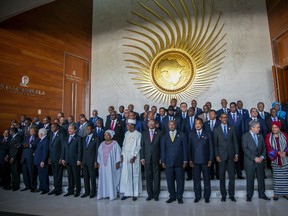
(112, 125)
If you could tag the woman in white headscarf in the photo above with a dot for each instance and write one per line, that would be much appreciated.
(109, 157)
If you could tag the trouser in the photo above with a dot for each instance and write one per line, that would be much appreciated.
(89, 174)
(43, 178)
(251, 170)
(172, 174)
(57, 170)
(74, 179)
(198, 168)
(152, 175)
(29, 177)
(15, 173)
(229, 166)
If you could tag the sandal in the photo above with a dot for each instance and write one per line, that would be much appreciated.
(275, 197)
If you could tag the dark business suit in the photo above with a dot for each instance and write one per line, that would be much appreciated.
(201, 151)
(71, 154)
(251, 151)
(92, 121)
(41, 154)
(226, 147)
(220, 111)
(27, 161)
(4, 165)
(238, 125)
(15, 153)
(150, 152)
(263, 128)
(99, 133)
(198, 111)
(56, 146)
(269, 121)
(89, 157)
(165, 123)
(173, 155)
(244, 113)
(265, 116)
(118, 129)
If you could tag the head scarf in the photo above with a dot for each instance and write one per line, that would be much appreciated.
(111, 132)
(277, 123)
(280, 113)
(131, 121)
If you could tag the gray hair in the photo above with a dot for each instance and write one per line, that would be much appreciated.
(95, 111)
(43, 131)
(252, 124)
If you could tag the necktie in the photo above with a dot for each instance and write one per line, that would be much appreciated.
(234, 117)
(225, 111)
(191, 123)
(183, 115)
(172, 136)
(98, 131)
(112, 125)
(225, 131)
(206, 117)
(30, 140)
(170, 118)
(199, 134)
(211, 126)
(87, 141)
(151, 136)
(54, 135)
(255, 139)
(262, 115)
(70, 138)
(240, 111)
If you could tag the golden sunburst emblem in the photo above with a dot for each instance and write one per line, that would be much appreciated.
(177, 51)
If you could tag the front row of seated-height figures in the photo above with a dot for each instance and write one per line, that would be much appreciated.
(206, 142)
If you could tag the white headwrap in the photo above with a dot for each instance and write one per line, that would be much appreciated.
(111, 132)
(131, 121)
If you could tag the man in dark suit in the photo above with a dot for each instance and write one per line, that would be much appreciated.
(198, 110)
(183, 114)
(37, 122)
(174, 158)
(120, 115)
(14, 155)
(94, 118)
(171, 116)
(131, 109)
(27, 160)
(262, 113)
(187, 128)
(254, 156)
(146, 109)
(98, 131)
(173, 103)
(209, 126)
(150, 116)
(255, 117)
(243, 112)
(226, 152)
(224, 108)
(89, 162)
(47, 124)
(236, 120)
(110, 109)
(41, 160)
(71, 121)
(5, 175)
(273, 117)
(117, 126)
(201, 153)
(150, 159)
(162, 114)
(71, 157)
(56, 146)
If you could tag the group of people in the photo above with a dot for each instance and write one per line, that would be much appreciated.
(204, 143)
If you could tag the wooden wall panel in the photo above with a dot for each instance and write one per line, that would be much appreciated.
(34, 44)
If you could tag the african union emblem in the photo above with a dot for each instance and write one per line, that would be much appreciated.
(176, 49)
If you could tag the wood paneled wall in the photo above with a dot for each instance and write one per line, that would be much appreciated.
(34, 44)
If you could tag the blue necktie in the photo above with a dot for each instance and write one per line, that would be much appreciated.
(87, 141)
(191, 123)
(255, 139)
(199, 134)
(225, 131)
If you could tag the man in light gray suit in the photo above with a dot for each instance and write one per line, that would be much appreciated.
(254, 156)
(82, 128)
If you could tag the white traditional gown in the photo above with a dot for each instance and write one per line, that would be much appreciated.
(131, 147)
(109, 176)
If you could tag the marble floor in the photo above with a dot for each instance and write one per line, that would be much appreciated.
(36, 204)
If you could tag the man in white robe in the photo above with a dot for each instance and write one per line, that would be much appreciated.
(131, 182)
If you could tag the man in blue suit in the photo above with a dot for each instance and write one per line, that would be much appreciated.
(99, 131)
(41, 160)
(168, 118)
(201, 156)
(198, 111)
(94, 118)
(27, 160)
(224, 108)
(241, 111)
(236, 120)
(255, 117)
(174, 158)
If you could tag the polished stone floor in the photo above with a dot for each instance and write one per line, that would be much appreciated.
(36, 204)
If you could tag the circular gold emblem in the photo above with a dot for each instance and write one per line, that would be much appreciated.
(172, 71)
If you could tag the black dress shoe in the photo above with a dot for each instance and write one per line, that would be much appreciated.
(207, 200)
(189, 179)
(44, 192)
(232, 199)
(124, 198)
(52, 192)
(249, 199)
(134, 198)
(265, 198)
(180, 201)
(85, 195)
(92, 196)
(223, 199)
(77, 195)
(58, 193)
(170, 200)
(15, 189)
(33, 191)
(149, 198)
(196, 200)
(68, 194)
(8, 188)
(156, 199)
(25, 189)
(240, 177)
